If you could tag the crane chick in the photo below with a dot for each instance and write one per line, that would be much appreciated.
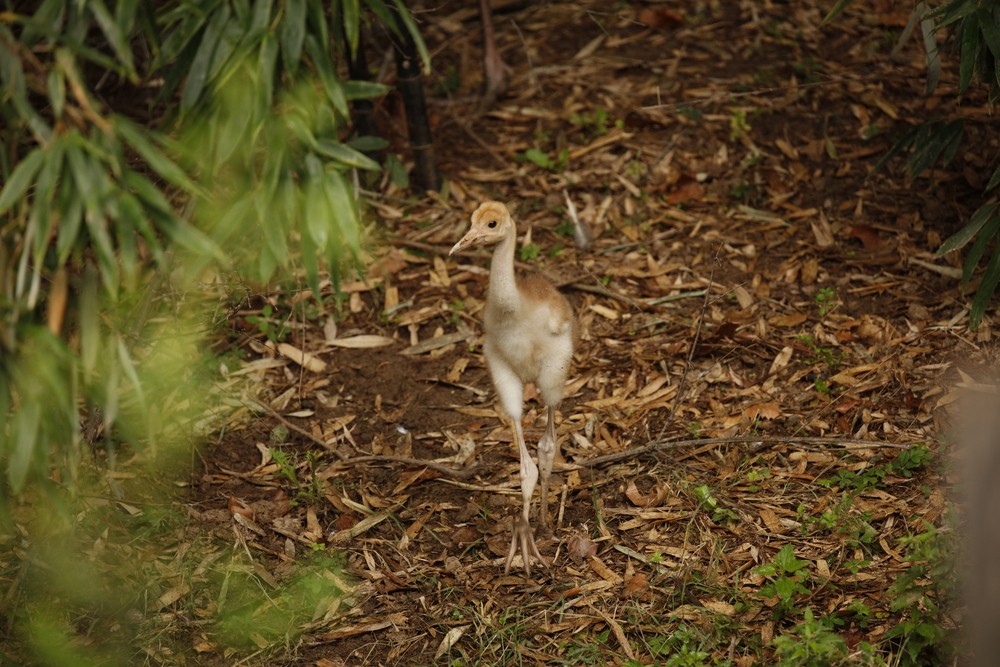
(530, 331)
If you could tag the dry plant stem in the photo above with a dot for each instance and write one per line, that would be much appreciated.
(663, 445)
(292, 427)
(448, 471)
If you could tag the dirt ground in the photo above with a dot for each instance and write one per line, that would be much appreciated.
(754, 302)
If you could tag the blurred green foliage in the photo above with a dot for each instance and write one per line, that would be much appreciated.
(146, 148)
(243, 168)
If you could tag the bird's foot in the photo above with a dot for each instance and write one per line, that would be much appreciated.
(523, 541)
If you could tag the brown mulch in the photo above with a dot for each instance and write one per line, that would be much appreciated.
(754, 302)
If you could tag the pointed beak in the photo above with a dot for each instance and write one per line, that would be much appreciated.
(470, 239)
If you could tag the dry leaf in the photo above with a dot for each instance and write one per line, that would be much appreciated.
(580, 547)
(662, 18)
(791, 320)
(304, 359)
(639, 499)
(636, 585)
(449, 640)
(361, 341)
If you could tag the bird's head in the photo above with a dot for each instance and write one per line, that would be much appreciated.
(491, 223)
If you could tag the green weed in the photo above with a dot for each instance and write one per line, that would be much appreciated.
(785, 576)
(308, 490)
(541, 158)
(826, 300)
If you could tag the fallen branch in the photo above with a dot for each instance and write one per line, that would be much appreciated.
(448, 471)
(666, 445)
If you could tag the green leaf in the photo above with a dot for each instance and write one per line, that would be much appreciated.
(369, 144)
(978, 248)
(266, 64)
(56, 85)
(21, 179)
(994, 179)
(232, 33)
(273, 217)
(47, 20)
(404, 13)
(327, 76)
(364, 90)
(318, 214)
(116, 38)
(69, 227)
(986, 289)
(310, 257)
(261, 17)
(128, 366)
(344, 208)
(293, 31)
(25, 431)
(90, 329)
(44, 196)
(969, 55)
(139, 138)
(351, 18)
(198, 72)
(836, 10)
(971, 228)
(990, 30)
(346, 155)
(954, 11)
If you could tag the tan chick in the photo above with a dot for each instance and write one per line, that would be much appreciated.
(530, 331)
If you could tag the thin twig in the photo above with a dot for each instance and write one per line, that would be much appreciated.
(292, 427)
(663, 445)
(448, 471)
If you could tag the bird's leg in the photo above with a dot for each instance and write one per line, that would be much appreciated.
(522, 539)
(546, 456)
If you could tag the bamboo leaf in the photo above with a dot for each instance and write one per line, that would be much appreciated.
(344, 209)
(836, 10)
(351, 18)
(139, 139)
(978, 248)
(261, 17)
(364, 90)
(293, 31)
(990, 29)
(411, 27)
(116, 38)
(991, 277)
(71, 207)
(995, 179)
(969, 54)
(198, 73)
(25, 431)
(346, 155)
(966, 233)
(56, 85)
(954, 11)
(90, 330)
(21, 179)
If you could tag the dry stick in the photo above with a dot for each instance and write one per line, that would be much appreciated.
(457, 473)
(662, 445)
(298, 429)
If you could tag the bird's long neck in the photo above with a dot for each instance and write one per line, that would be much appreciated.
(503, 288)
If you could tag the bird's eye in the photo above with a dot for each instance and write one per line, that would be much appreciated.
(492, 224)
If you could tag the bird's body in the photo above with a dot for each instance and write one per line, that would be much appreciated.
(529, 338)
